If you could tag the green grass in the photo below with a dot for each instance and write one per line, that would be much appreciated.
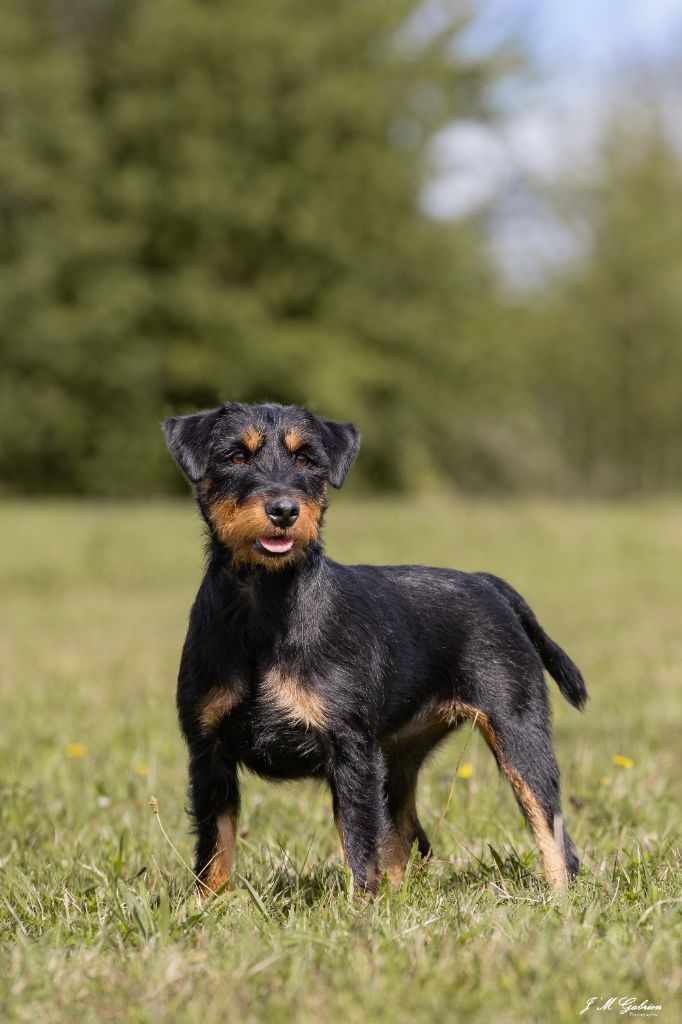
(97, 915)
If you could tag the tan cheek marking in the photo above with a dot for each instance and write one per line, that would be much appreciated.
(252, 439)
(219, 702)
(221, 515)
(552, 856)
(300, 705)
(307, 526)
(293, 439)
(238, 524)
(221, 867)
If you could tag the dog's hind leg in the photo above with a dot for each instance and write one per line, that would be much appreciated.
(403, 825)
(523, 750)
(527, 760)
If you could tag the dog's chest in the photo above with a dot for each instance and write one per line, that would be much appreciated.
(279, 728)
(291, 700)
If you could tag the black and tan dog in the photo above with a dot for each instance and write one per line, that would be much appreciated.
(297, 667)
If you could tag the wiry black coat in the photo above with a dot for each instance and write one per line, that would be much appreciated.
(296, 666)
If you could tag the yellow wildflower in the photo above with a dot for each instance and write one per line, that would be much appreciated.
(142, 769)
(623, 762)
(465, 771)
(76, 750)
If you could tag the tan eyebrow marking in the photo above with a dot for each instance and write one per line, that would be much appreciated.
(252, 439)
(293, 439)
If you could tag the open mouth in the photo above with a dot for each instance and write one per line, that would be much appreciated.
(275, 545)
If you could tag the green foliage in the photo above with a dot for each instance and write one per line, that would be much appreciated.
(204, 201)
(609, 341)
(97, 917)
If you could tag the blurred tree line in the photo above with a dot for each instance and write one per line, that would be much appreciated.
(609, 333)
(204, 200)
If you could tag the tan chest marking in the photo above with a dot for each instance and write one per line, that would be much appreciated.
(300, 705)
(220, 701)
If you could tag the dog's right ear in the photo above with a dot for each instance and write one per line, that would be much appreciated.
(188, 439)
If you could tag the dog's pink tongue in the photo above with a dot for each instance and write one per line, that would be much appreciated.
(276, 544)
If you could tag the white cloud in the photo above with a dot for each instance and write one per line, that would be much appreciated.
(471, 166)
(551, 127)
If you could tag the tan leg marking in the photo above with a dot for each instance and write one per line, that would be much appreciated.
(395, 854)
(300, 705)
(552, 857)
(221, 867)
(219, 702)
(397, 844)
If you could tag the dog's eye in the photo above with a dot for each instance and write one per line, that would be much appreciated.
(238, 458)
(301, 459)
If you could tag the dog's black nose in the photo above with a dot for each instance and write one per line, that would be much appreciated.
(282, 511)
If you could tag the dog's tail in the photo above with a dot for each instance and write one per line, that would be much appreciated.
(555, 660)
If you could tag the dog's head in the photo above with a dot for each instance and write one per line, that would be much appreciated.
(261, 474)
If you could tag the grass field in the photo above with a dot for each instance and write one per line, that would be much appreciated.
(97, 915)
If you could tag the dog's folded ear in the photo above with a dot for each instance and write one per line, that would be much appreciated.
(188, 439)
(341, 443)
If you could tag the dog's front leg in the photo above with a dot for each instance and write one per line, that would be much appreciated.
(356, 781)
(214, 806)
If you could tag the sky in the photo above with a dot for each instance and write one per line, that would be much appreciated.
(578, 51)
(591, 37)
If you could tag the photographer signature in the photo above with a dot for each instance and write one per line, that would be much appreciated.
(624, 1005)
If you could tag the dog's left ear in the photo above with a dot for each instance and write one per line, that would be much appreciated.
(188, 439)
(341, 443)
